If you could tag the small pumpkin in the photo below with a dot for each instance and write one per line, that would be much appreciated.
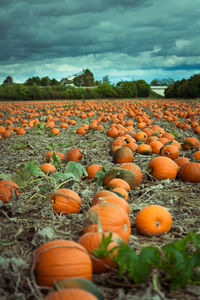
(8, 190)
(60, 259)
(162, 167)
(121, 192)
(123, 155)
(118, 182)
(48, 168)
(65, 201)
(50, 154)
(74, 155)
(93, 169)
(153, 220)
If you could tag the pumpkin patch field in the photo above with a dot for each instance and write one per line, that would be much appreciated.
(100, 199)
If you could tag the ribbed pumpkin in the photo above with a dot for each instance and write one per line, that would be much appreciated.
(71, 294)
(181, 160)
(190, 171)
(66, 201)
(135, 170)
(60, 259)
(123, 155)
(162, 167)
(107, 217)
(153, 220)
(93, 169)
(91, 241)
(118, 182)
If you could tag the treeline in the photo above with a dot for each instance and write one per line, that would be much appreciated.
(124, 89)
(185, 88)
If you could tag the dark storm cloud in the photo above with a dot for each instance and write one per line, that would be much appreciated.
(109, 35)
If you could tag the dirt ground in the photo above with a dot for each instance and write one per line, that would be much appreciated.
(29, 221)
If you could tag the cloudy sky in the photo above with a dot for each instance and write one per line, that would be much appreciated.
(124, 39)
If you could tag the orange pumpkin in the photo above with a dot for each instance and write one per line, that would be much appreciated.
(191, 143)
(170, 151)
(8, 189)
(91, 241)
(66, 201)
(190, 171)
(60, 259)
(108, 217)
(153, 220)
(115, 200)
(93, 169)
(48, 168)
(135, 169)
(144, 149)
(162, 167)
(118, 182)
(123, 155)
(74, 155)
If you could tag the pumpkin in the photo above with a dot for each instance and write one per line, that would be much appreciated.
(141, 136)
(126, 175)
(107, 217)
(196, 156)
(91, 241)
(168, 136)
(48, 168)
(191, 143)
(60, 259)
(8, 190)
(80, 283)
(135, 170)
(162, 167)
(74, 155)
(93, 169)
(55, 131)
(71, 294)
(156, 146)
(115, 200)
(153, 220)
(181, 160)
(123, 155)
(118, 182)
(121, 192)
(190, 171)
(65, 201)
(50, 154)
(144, 149)
(112, 132)
(170, 151)
(102, 193)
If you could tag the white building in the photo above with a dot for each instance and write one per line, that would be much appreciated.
(160, 90)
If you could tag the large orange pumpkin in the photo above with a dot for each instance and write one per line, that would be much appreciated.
(8, 189)
(108, 217)
(60, 259)
(162, 167)
(123, 155)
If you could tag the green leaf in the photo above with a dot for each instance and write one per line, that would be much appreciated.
(33, 168)
(58, 176)
(75, 170)
(99, 176)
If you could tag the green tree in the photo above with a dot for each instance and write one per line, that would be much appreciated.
(106, 79)
(45, 81)
(84, 79)
(8, 80)
(33, 80)
(128, 88)
(143, 88)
